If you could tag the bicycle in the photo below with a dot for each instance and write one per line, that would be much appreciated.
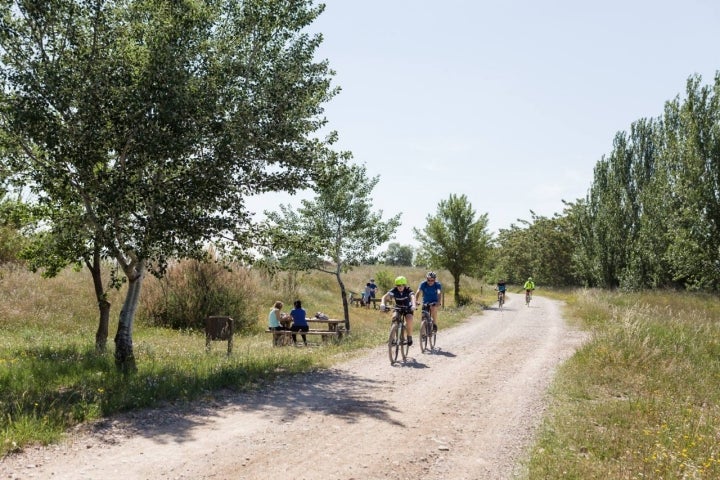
(428, 329)
(397, 342)
(501, 299)
(528, 297)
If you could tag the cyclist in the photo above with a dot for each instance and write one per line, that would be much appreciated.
(529, 286)
(404, 297)
(501, 287)
(431, 292)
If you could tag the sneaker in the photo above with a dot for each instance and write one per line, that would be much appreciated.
(434, 327)
(409, 341)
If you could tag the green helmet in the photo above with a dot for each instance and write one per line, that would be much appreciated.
(401, 281)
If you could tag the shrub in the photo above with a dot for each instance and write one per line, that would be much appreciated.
(193, 290)
(385, 281)
(463, 300)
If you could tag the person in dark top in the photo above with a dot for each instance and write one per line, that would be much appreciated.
(501, 288)
(404, 297)
(299, 322)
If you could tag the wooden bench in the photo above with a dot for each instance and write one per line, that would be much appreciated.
(357, 300)
(284, 337)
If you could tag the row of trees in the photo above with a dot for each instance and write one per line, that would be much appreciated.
(651, 217)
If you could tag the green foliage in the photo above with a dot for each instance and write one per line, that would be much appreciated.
(399, 255)
(542, 250)
(193, 290)
(335, 230)
(652, 216)
(384, 280)
(141, 126)
(15, 217)
(455, 239)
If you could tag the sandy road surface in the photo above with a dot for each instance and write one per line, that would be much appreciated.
(361, 420)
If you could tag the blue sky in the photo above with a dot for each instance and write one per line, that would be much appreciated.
(510, 103)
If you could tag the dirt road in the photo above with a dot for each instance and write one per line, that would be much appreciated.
(361, 420)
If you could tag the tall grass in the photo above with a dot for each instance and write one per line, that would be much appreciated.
(641, 399)
(51, 377)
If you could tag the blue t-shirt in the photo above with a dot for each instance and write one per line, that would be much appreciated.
(430, 293)
(501, 287)
(298, 315)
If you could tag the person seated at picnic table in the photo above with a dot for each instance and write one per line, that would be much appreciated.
(274, 317)
(299, 322)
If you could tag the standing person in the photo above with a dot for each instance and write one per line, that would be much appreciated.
(404, 297)
(529, 287)
(299, 322)
(367, 294)
(373, 288)
(431, 292)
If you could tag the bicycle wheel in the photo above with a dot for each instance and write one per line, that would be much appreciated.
(527, 299)
(425, 332)
(433, 335)
(404, 347)
(393, 343)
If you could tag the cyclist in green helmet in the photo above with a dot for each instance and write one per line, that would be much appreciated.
(529, 286)
(404, 297)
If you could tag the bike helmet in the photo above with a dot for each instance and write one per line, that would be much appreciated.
(529, 279)
(401, 281)
(431, 275)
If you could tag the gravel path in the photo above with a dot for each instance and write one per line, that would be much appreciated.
(485, 385)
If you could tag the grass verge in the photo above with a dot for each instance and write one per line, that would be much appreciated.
(640, 399)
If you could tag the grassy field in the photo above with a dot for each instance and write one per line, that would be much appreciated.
(51, 378)
(641, 399)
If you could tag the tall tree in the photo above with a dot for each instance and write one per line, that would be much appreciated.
(143, 124)
(397, 254)
(692, 156)
(336, 229)
(455, 239)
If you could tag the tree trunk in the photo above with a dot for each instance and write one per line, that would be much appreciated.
(346, 309)
(124, 357)
(101, 335)
(456, 281)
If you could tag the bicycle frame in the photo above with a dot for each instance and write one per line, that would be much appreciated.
(428, 335)
(397, 342)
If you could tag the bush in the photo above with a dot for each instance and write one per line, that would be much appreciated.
(193, 290)
(464, 300)
(384, 281)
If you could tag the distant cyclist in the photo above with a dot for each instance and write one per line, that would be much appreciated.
(501, 287)
(431, 292)
(529, 287)
(404, 297)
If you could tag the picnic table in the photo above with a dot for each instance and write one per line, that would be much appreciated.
(334, 329)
